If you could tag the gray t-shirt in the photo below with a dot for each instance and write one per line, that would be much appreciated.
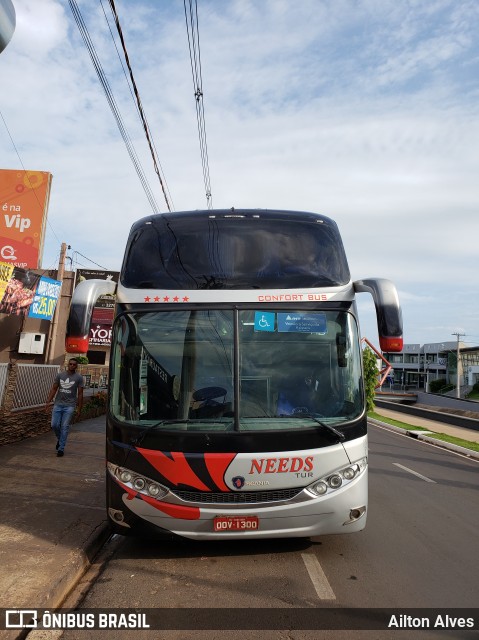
(68, 384)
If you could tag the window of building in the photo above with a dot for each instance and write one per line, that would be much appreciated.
(96, 357)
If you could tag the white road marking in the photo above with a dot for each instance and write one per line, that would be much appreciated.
(318, 577)
(414, 473)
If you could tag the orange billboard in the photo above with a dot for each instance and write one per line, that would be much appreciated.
(24, 197)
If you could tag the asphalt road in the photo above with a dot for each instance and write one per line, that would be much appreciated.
(419, 550)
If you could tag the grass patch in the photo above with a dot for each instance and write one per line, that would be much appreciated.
(395, 423)
(466, 444)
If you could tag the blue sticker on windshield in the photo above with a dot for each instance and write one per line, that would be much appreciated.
(264, 321)
(302, 322)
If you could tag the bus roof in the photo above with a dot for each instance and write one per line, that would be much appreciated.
(234, 249)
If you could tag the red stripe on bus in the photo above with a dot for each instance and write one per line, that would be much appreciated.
(217, 465)
(175, 469)
(174, 510)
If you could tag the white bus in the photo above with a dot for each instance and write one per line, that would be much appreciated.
(236, 399)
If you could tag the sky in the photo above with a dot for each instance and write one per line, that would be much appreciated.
(363, 110)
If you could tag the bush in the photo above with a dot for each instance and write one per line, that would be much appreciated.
(435, 386)
(96, 401)
(371, 372)
(81, 359)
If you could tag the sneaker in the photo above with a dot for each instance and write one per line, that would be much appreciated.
(57, 445)
(60, 453)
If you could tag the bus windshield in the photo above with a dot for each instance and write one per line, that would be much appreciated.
(244, 370)
(235, 251)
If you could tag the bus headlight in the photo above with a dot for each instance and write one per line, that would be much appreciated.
(137, 482)
(154, 490)
(320, 488)
(125, 476)
(349, 473)
(337, 479)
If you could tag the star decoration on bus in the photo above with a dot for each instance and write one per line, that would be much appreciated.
(166, 299)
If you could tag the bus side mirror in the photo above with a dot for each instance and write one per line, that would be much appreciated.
(388, 311)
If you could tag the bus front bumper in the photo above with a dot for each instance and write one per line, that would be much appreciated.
(344, 511)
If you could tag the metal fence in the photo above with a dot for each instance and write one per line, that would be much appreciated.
(34, 381)
(3, 380)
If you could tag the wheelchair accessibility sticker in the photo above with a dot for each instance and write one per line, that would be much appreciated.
(264, 321)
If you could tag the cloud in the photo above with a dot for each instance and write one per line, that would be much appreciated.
(41, 28)
(366, 112)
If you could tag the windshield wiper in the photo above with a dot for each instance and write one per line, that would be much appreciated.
(142, 435)
(337, 433)
(163, 422)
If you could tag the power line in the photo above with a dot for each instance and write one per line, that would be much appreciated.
(140, 109)
(191, 19)
(112, 103)
(92, 261)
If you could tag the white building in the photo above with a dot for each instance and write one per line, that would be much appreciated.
(470, 363)
(416, 366)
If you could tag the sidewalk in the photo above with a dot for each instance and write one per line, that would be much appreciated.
(431, 425)
(435, 427)
(53, 518)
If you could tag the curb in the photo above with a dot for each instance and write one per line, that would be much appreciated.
(418, 435)
(80, 561)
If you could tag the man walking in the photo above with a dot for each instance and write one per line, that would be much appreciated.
(68, 388)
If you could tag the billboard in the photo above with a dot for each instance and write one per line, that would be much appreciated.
(25, 293)
(100, 335)
(45, 299)
(6, 271)
(107, 302)
(24, 197)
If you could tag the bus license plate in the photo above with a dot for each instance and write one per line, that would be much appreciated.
(236, 523)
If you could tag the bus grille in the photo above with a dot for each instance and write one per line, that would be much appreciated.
(246, 497)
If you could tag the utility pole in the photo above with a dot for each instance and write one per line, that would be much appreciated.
(458, 381)
(53, 326)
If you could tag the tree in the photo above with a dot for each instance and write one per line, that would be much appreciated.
(370, 368)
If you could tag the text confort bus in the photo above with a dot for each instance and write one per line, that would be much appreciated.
(236, 397)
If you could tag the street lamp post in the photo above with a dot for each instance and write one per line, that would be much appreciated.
(458, 379)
